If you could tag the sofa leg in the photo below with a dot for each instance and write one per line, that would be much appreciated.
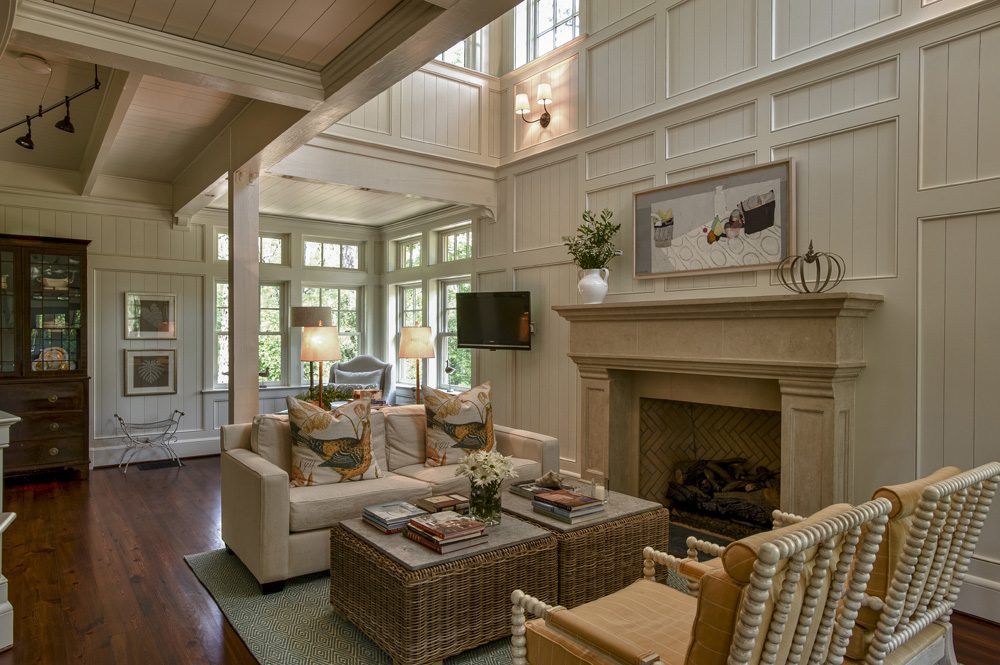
(272, 587)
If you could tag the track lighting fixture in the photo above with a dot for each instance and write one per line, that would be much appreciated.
(65, 124)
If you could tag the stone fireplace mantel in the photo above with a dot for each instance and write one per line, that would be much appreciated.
(812, 346)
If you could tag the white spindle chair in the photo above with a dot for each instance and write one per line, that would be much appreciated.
(786, 596)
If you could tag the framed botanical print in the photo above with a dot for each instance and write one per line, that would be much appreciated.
(150, 372)
(739, 220)
(150, 316)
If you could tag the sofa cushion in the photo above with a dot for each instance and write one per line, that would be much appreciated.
(331, 446)
(322, 506)
(457, 424)
(404, 435)
(271, 438)
(444, 481)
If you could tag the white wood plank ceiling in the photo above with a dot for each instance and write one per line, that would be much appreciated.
(304, 33)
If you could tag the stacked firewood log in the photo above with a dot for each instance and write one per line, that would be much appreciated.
(728, 488)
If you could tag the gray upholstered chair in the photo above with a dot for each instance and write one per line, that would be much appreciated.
(367, 363)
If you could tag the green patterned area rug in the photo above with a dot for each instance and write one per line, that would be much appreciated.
(298, 626)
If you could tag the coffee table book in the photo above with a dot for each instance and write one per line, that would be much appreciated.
(568, 500)
(444, 546)
(565, 516)
(434, 504)
(447, 525)
(530, 488)
(392, 516)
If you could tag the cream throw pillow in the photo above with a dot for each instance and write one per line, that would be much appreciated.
(331, 446)
(457, 424)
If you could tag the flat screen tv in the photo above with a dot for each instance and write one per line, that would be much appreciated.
(494, 320)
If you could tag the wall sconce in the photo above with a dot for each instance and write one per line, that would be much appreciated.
(522, 106)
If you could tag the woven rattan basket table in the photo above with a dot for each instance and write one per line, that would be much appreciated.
(603, 555)
(420, 606)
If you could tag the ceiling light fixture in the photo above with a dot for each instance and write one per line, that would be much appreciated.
(65, 124)
(522, 106)
(34, 63)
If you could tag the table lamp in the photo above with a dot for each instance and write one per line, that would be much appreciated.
(303, 317)
(320, 343)
(416, 342)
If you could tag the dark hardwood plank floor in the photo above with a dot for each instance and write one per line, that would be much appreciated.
(97, 573)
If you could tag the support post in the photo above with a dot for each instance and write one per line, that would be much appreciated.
(244, 296)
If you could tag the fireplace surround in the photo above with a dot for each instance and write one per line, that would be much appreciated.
(800, 355)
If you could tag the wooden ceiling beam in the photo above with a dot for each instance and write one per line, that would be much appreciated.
(118, 95)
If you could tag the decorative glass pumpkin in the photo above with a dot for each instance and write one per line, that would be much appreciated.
(812, 272)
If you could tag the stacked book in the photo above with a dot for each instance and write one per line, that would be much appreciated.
(435, 504)
(529, 489)
(446, 531)
(567, 506)
(391, 517)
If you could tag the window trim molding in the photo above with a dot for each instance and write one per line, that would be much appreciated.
(445, 232)
(399, 325)
(359, 290)
(442, 335)
(360, 244)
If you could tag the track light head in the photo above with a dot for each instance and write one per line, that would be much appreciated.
(25, 141)
(66, 124)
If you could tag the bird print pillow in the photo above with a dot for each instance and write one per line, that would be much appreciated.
(457, 424)
(331, 446)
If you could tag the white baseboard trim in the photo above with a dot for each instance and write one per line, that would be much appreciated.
(109, 455)
(980, 597)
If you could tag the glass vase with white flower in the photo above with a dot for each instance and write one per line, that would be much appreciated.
(486, 471)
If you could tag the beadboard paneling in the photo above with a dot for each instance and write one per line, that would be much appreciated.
(108, 393)
(602, 13)
(546, 380)
(727, 126)
(441, 111)
(496, 367)
(546, 205)
(619, 200)
(621, 156)
(725, 280)
(564, 77)
(621, 73)
(712, 168)
(373, 116)
(959, 98)
(959, 324)
(846, 196)
(858, 88)
(799, 24)
(494, 126)
(709, 40)
(492, 237)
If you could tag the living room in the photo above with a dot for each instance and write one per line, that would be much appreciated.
(383, 180)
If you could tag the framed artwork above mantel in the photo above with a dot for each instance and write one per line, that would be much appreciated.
(733, 221)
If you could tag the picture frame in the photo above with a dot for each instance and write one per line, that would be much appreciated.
(150, 316)
(150, 372)
(734, 221)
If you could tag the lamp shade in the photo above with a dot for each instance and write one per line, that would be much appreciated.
(544, 93)
(416, 342)
(311, 316)
(320, 343)
(521, 103)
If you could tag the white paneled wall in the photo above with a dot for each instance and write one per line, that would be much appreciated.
(541, 216)
(708, 131)
(374, 116)
(799, 24)
(710, 40)
(602, 13)
(618, 199)
(441, 110)
(621, 156)
(712, 168)
(960, 98)
(617, 79)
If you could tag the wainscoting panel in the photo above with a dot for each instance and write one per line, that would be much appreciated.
(373, 116)
(546, 380)
(959, 372)
(712, 168)
(710, 40)
(799, 24)
(861, 87)
(546, 205)
(728, 126)
(846, 196)
(441, 111)
(621, 156)
(621, 73)
(602, 13)
(619, 200)
(725, 280)
(959, 98)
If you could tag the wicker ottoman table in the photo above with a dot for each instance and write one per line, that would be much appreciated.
(420, 606)
(604, 555)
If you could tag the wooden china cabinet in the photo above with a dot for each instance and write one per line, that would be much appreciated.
(43, 353)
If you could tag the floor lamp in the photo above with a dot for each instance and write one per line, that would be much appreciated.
(310, 317)
(416, 342)
(321, 343)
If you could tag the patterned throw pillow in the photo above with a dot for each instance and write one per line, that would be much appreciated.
(457, 424)
(331, 446)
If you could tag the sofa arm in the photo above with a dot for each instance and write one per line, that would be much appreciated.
(255, 513)
(528, 445)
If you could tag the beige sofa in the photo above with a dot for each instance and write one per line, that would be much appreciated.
(280, 532)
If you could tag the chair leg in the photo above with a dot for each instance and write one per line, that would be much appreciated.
(272, 587)
(949, 646)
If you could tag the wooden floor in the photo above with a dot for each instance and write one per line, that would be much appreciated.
(97, 573)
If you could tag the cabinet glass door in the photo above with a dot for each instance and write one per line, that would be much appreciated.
(8, 315)
(56, 312)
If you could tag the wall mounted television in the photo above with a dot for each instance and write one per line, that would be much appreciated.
(494, 320)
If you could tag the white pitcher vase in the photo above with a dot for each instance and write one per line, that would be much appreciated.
(593, 285)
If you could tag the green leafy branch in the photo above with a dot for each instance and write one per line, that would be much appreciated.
(593, 245)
